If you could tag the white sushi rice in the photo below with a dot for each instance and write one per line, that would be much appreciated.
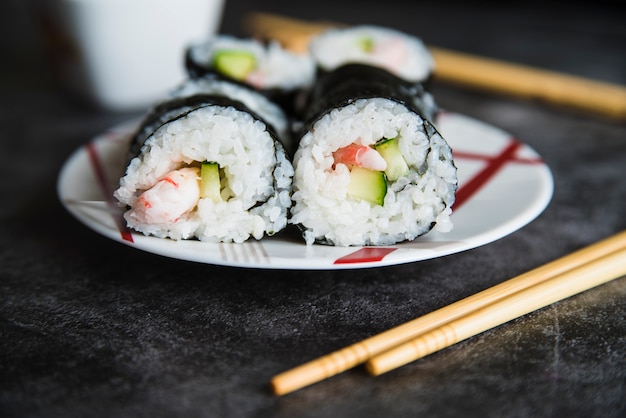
(258, 176)
(403, 55)
(412, 205)
(279, 67)
(257, 103)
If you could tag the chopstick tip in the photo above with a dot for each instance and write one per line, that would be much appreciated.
(282, 385)
(372, 369)
(275, 388)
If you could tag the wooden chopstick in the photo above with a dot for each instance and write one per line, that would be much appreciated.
(529, 83)
(360, 352)
(468, 70)
(567, 284)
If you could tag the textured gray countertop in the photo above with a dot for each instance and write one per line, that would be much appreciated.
(92, 328)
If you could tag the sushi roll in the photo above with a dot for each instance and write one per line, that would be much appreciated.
(278, 73)
(370, 168)
(207, 168)
(175, 104)
(403, 55)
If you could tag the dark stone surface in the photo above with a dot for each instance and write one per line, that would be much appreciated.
(91, 328)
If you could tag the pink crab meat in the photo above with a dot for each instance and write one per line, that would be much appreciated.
(360, 156)
(256, 79)
(170, 198)
(391, 53)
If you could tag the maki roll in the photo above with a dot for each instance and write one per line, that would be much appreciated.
(403, 55)
(209, 168)
(370, 168)
(267, 67)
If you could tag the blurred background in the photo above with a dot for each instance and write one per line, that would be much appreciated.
(527, 34)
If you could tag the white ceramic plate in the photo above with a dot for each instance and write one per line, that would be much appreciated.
(503, 185)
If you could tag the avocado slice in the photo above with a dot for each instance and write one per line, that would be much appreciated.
(236, 64)
(367, 185)
(210, 181)
(396, 164)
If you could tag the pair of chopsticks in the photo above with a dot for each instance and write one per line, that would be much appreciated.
(467, 70)
(567, 276)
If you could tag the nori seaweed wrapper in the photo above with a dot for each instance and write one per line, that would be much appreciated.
(176, 108)
(350, 82)
(286, 98)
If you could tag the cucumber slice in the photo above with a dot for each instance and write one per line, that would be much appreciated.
(367, 185)
(366, 44)
(210, 181)
(234, 63)
(396, 164)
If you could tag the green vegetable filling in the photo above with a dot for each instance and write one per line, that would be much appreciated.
(368, 185)
(371, 185)
(210, 186)
(396, 164)
(236, 64)
(366, 44)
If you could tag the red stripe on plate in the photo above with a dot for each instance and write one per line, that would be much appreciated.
(474, 156)
(365, 255)
(494, 164)
(103, 182)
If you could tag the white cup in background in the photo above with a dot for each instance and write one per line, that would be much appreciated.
(124, 54)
